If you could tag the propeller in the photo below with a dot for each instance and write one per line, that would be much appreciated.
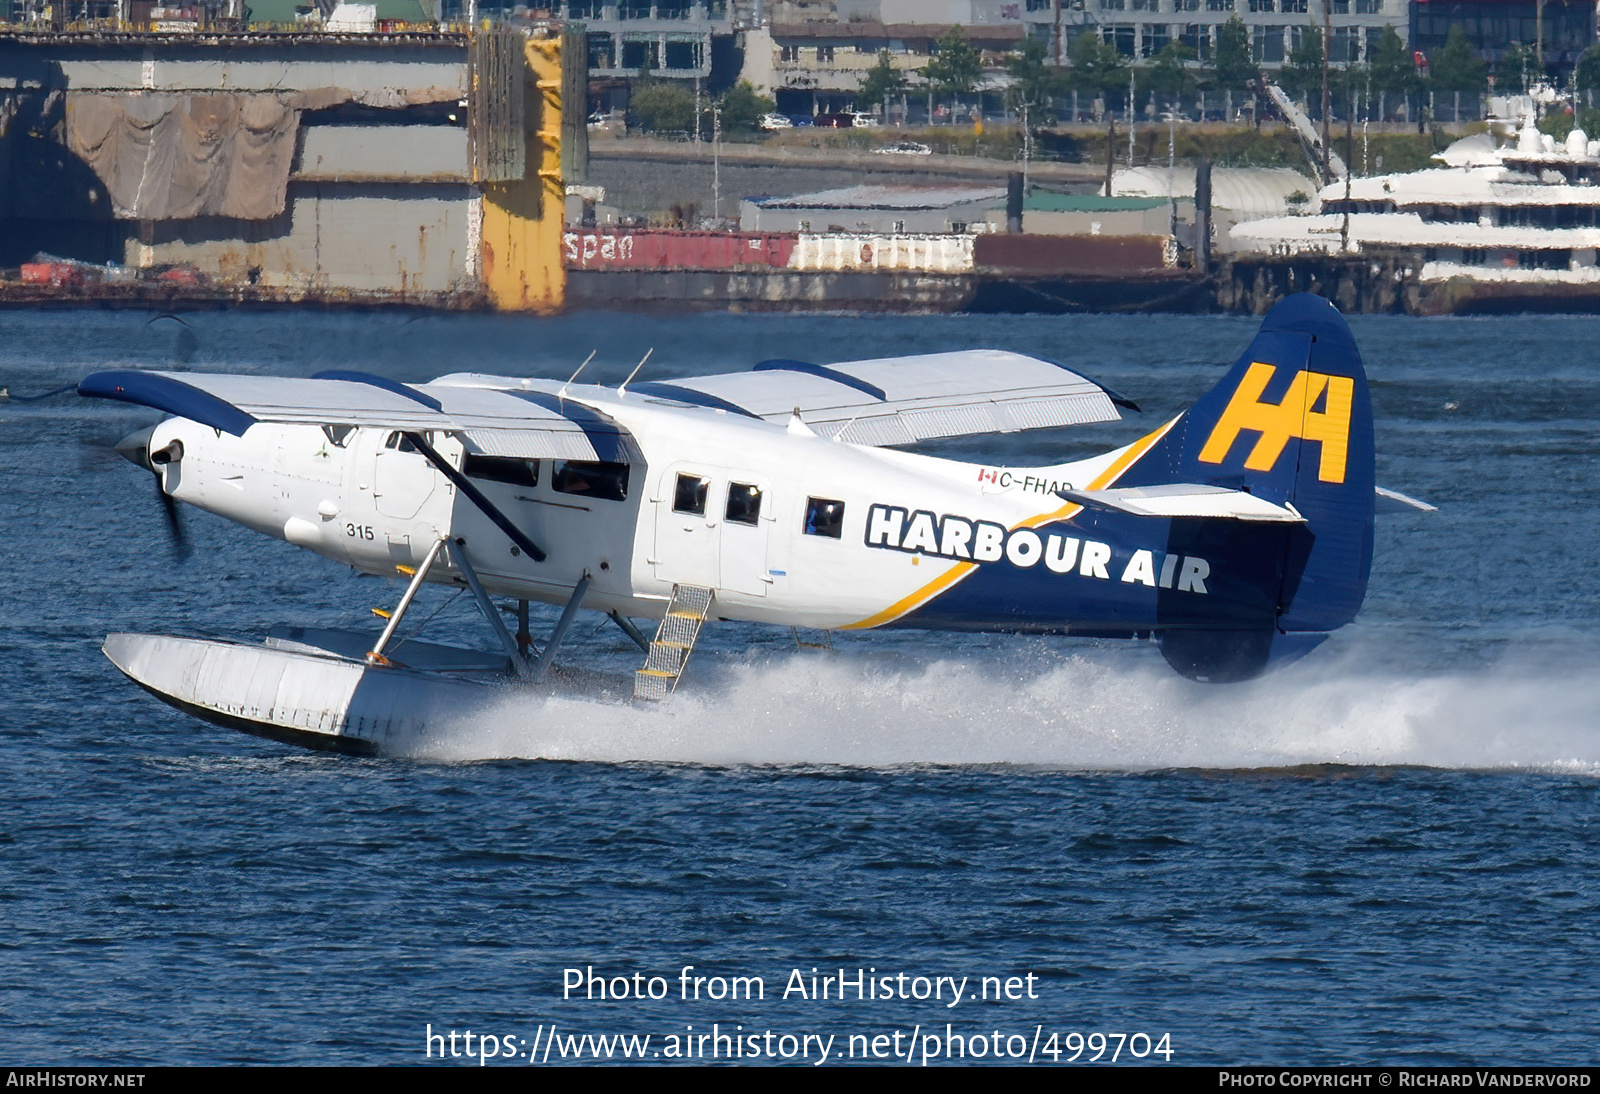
(184, 343)
(177, 536)
(7, 396)
(135, 448)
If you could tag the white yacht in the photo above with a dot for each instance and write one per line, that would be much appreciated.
(1523, 215)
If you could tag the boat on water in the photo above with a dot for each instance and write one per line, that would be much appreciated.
(1517, 220)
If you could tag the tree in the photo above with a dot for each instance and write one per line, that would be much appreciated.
(1587, 74)
(663, 107)
(1392, 68)
(1096, 66)
(1457, 67)
(955, 67)
(1302, 73)
(1034, 82)
(1236, 71)
(1516, 69)
(1168, 75)
(742, 107)
(881, 82)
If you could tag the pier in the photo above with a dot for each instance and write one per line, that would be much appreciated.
(419, 168)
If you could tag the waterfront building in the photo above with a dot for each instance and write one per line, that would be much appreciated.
(1142, 28)
(812, 68)
(875, 210)
(673, 39)
(1491, 26)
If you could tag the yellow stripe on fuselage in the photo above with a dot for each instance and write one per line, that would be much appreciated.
(959, 570)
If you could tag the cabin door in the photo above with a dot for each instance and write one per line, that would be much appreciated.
(688, 533)
(402, 477)
(744, 539)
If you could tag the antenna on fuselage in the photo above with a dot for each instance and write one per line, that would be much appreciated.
(562, 394)
(622, 388)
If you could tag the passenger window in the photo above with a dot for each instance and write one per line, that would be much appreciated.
(338, 435)
(825, 517)
(501, 469)
(400, 442)
(690, 495)
(607, 481)
(744, 503)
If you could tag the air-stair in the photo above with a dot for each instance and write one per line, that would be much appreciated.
(674, 641)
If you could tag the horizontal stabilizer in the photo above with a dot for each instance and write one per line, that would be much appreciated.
(1392, 501)
(1185, 500)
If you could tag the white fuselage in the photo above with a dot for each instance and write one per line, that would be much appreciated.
(359, 497)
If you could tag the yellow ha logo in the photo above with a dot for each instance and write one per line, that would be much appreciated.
(1294, 417)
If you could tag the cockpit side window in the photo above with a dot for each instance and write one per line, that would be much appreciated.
(516, 472)
(589, 479)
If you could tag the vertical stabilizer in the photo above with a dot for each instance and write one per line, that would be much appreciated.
(1291, 423)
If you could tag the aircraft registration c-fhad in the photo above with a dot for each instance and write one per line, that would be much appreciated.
(1237, 532)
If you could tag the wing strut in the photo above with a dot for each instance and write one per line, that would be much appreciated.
(474, 495)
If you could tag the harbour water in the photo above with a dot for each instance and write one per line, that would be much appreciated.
(1384, 853)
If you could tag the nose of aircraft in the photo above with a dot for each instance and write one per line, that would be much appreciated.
(135, 448)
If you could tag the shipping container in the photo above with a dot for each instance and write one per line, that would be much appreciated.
(1076, 256)
(658, 249)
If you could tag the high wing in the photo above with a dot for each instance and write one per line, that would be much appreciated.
(531, 423)
(887, 401)
(903, 400)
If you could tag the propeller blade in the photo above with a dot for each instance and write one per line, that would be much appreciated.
(177, 536)
(184, 342)
(8, 396)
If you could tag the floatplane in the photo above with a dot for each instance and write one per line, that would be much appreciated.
(1239, 532)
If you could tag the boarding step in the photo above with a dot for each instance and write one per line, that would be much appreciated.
(674, 641)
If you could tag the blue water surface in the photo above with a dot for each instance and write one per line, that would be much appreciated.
(1384, 853)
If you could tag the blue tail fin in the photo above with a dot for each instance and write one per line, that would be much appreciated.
(1291, 423)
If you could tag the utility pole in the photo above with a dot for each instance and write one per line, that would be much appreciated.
(1349, 157)
(1172, 172)
(1538, 35)
(1027, 145)
(1327, 34)
(1132, 91)
(1111, 146)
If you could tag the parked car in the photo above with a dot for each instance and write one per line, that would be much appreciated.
(865, 121)
(800, 121)
(776, 121)
(834, 121)
(904, 148)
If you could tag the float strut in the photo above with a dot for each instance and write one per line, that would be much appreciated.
(524, 639)
(458, 555)
(563, 624)
(630, 630)
(375, 655)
